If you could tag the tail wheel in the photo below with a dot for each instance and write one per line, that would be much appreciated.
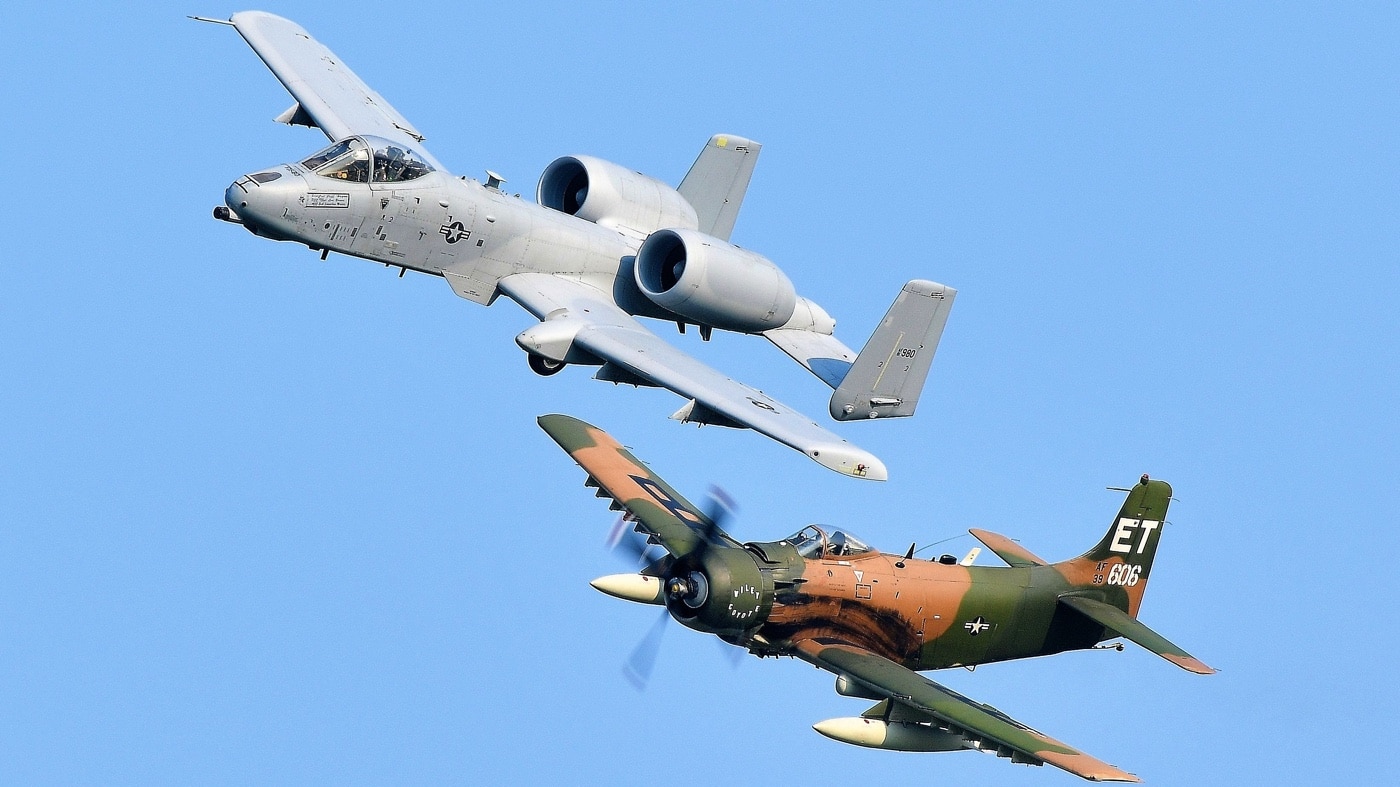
(544, 366)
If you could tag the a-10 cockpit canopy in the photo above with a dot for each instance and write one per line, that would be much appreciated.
(368, 159)
(813, 542)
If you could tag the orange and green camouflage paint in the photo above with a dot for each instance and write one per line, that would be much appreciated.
(878, 618)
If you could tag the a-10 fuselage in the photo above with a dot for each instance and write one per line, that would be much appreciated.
(437, 224)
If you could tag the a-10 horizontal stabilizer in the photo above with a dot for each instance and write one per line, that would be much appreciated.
(887, 377)
(1118, 621)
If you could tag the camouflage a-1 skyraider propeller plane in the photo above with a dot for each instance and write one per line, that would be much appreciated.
(874, 619)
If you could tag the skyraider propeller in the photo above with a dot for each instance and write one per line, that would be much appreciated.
(874, 619)
(691, 590)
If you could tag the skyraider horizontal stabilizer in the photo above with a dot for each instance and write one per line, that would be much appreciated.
(602, 247)
(874, 620)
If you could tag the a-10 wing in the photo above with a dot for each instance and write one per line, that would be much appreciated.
(329, 95)
(981, 724)
(617, 338)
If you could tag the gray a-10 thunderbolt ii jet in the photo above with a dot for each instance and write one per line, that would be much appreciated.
(603, 246)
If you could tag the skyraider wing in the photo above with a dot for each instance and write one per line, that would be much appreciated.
(977, 722)
(658, 510)
(329, 96)
(1013, 553)
(631, 352)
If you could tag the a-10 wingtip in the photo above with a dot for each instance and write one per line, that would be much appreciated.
(846, 459)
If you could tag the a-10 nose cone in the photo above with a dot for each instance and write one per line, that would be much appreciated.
(261, 199)
(894, 736)
(632, 587)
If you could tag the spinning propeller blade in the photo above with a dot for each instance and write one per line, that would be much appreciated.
(639, 665)
(719, 509)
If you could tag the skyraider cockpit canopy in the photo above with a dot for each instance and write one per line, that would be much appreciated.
(813, 543)
(358, 159)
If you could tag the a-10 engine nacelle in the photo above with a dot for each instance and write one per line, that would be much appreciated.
(613, 196)
(711, 282)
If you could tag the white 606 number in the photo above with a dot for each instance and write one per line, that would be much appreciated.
(1122, 574)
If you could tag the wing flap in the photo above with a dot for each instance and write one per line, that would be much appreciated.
(980, 723)
(613, 336)
(658, 509)
(327, 92)
(1120, 622)
(1013, 553)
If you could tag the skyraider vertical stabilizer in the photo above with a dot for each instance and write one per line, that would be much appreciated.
(1117, 570)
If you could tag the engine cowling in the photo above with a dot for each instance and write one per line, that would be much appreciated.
(711, 282)
(612, 196)
(721, 591)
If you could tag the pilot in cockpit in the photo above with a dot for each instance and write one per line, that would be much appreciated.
(812, 542)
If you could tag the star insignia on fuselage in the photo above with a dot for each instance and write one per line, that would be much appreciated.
(977, 625)
(453, 232)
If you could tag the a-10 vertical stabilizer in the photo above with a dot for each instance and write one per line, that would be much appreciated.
(887, 377)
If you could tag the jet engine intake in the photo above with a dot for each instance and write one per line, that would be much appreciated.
(613, 196)
(712, 282)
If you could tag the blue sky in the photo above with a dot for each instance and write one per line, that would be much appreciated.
(270, 519)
